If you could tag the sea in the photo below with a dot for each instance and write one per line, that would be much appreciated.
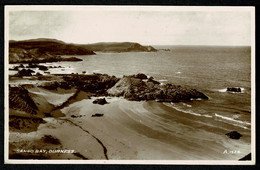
(209, 69)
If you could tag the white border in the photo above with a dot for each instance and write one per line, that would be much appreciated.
(129, 8)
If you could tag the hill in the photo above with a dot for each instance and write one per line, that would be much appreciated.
(51, 46)
(48, 50)
(119, 47)
(43, 50)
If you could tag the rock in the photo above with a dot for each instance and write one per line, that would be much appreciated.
(100, 101)
(19, 99)
(136, 89)
(38, 74)
(31, 65)
(151, 80)
(234, 135)
(234, 89)
(73, 116)
(24, 72)
(140, 76)
(21, 66)
(16, 68)
(41, 67)
(24, 124)
(97, 115)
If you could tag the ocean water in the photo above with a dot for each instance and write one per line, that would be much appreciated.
(208, 69)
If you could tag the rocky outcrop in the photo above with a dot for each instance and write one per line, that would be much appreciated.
(234, 135)
(101, 101)
(97, 115)
(140, 76)
(133, 88)
(96, 83)
(234, 89)
(24, 72)
(21, 55)
(24, 124)
(19, 99)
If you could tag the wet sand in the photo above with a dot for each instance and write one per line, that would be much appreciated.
(128, 130)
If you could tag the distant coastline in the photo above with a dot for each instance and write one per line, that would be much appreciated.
(49, 50)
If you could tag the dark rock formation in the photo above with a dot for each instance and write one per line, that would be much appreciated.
(16, 68)
(100, 101)
(234, 89)
(32, 65)
(38, 74)
(19, 99)
(24, 124)
(24, 72)
(234, 135)
(97, 115)
(151, 80)
(21, 55)
(136, 89)
(41, 67)
(96, 83)
(140, 76)
(246, 158)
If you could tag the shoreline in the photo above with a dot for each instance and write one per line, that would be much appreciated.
(126, 130)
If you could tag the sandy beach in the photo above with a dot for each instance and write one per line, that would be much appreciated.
(128, 130)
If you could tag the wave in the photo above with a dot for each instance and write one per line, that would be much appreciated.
(218, 117)
(231, 119)
(188, 111)
(187, 105)
(178, 72)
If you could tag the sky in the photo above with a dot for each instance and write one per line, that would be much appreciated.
(154, 26)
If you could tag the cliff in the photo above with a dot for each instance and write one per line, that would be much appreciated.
(51, 46)
(43, 50)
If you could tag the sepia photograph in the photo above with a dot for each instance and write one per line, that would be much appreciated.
(130, 85)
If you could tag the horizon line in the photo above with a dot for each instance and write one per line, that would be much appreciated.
(215, 45)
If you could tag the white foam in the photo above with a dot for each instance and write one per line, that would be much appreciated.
(223, 90)
(178, 72)
(231, 119)
(188, 111)
(196, 99)
(207, 116)
(187, 105)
